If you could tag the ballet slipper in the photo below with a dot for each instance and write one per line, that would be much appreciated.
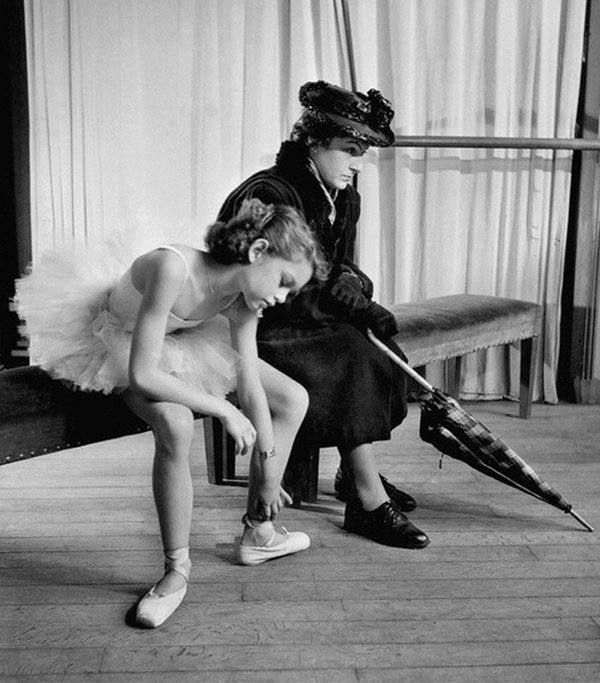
(261, 542)
(155, 608)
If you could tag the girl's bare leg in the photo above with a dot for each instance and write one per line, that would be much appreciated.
(173, 428)
(288, 402)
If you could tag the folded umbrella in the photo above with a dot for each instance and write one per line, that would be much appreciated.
(448, 427)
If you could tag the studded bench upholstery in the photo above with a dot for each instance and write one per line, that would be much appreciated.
(39, 415)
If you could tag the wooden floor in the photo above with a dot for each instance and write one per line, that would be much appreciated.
(508, 590)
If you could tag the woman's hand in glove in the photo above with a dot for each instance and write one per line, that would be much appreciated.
(347, 290)
(380, 320)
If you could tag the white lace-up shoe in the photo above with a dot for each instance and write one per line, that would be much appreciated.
(255, 550)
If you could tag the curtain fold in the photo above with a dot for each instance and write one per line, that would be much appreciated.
(479, 221)
(145, 113)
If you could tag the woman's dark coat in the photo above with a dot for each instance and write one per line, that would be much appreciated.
(356, 394)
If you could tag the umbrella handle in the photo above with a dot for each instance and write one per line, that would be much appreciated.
(403, 364)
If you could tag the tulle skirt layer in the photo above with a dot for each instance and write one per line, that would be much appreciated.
(74, 337)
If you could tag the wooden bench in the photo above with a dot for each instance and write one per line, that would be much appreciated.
(39, 415)
(439, 329)
(446, 328)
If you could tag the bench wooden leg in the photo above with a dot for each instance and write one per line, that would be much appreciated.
(528, 357)
(301, 478)
(220, 455)
(453, 370)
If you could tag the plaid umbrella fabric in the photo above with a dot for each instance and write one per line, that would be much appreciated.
(448, 427)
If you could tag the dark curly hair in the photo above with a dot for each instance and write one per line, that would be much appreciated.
(311, 129)
(287, 233)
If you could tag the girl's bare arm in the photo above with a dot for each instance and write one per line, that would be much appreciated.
(163, 278)
(265, 461)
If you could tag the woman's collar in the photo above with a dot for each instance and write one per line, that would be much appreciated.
(331, 196)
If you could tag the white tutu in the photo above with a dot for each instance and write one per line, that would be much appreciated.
(73, 336)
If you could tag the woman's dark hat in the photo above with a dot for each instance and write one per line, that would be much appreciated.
(364, 117)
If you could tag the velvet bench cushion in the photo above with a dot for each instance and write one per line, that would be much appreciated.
(450, 326)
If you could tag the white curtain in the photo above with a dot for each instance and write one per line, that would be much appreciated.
(147, 112)
(453, 221)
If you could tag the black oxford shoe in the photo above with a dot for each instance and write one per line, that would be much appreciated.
(386, 525)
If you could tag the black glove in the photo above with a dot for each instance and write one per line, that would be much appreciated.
(347, 291)
(380, 320)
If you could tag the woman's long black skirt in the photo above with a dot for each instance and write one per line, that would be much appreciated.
(357, 395)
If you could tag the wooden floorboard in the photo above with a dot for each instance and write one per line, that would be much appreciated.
(508, 590)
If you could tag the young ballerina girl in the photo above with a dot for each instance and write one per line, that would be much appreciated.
(154, 335)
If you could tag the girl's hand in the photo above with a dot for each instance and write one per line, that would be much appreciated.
(284, 498)
(270, 502)
(240, 429)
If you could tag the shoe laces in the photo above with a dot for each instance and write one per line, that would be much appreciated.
(178, 561)
(392, 516)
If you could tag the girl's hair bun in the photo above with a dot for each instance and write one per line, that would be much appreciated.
(254, 211)
(286, 231)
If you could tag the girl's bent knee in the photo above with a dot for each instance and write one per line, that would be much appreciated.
(302, 399)
(296, 400)
(174, 426)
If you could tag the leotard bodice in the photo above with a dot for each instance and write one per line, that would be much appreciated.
(125, 300)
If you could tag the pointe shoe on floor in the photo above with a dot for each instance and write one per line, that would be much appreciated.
(263, 542)
(155, 608)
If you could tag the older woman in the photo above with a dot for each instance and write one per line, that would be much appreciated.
(356, 395)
